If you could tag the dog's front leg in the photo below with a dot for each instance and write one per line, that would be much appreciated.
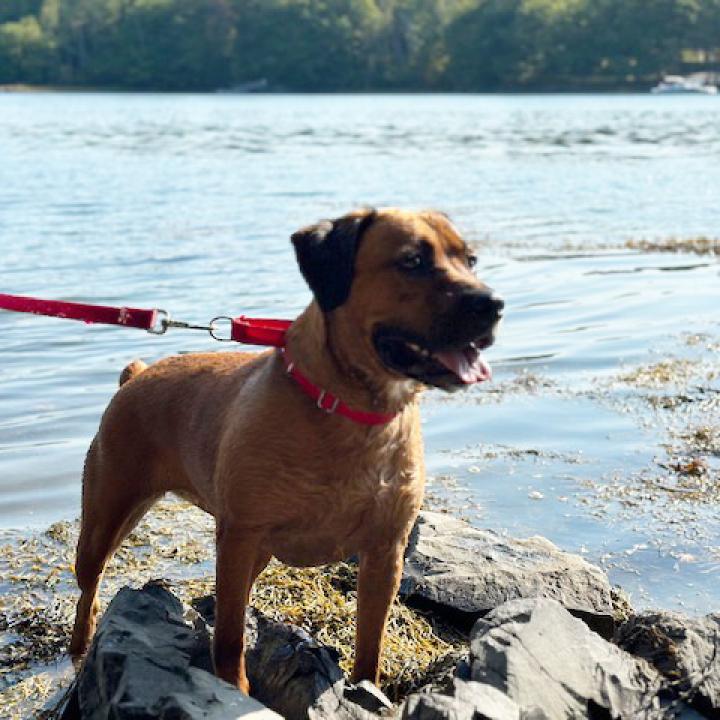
(378, 582)
(239, 561)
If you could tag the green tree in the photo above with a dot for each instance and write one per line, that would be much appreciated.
(635, 39)
(566, 43)
(306, 44)
(25, 52)
(354, 44)
(18, 9)
(409, 47)
(484, 47)
(168, 44)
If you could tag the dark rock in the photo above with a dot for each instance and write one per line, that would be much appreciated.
(547, 661)
(685, 650)
(292, 673)
(466, 572)
(146, 662)
(296, 676)
(469, 701)
(367, 696)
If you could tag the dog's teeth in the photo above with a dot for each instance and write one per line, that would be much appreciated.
(419, 349)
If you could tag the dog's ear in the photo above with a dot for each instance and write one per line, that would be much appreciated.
(326, 255)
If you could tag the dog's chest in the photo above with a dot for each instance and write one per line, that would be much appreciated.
(365, 501)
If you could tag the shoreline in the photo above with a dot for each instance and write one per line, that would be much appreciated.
(23, 88)
(428, 639)
(175, 542)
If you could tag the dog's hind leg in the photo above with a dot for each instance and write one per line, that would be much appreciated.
(111, 507)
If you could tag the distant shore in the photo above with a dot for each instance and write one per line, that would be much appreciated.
(27, 88)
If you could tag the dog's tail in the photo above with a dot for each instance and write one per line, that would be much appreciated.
(131, 371)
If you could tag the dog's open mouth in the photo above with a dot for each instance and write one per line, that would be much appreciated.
(448, 368)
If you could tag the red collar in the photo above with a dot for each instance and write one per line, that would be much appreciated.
(328, 402)
(272, 332)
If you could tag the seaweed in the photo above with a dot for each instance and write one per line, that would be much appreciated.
(700, 245)
(176, 541)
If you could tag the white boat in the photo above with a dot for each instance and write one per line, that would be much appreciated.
(677, 84)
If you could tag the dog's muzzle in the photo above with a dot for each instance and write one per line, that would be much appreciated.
(450, 357)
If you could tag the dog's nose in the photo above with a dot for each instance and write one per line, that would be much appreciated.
(483, 303)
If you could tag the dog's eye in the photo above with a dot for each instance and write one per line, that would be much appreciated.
(412, 262)
(472, 261)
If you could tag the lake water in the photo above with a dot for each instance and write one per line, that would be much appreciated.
(186, 202)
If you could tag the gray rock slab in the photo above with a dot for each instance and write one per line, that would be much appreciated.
(146, 662)
(471, 571)
(685, 650)
(549, 662)
(469, 701)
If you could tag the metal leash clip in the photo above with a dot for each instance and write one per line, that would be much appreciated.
(213, 329)
(161, 326)
(165, 322)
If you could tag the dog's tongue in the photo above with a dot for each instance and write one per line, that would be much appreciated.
(469, 365)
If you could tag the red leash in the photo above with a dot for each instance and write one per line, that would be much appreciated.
(129, 317)
(252, 331)
(257, 331)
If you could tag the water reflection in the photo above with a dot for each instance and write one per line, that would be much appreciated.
(187, 203)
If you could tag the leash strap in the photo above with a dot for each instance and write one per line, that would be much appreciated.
(252, 331)
(128, 317)
(259, 331)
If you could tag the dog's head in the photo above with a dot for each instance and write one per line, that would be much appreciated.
(403, 287)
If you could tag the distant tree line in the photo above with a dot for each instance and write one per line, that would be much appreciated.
(356, 45)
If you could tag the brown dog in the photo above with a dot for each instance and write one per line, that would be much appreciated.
(396, 307)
